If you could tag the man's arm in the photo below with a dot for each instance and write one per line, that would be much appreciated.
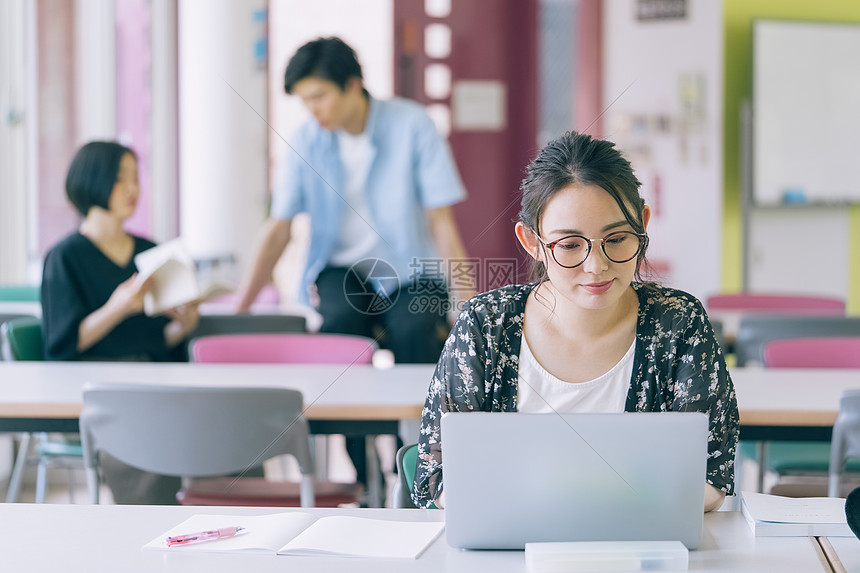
(444, 231)
(271, 242)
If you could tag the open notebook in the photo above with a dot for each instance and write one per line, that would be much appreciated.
(299, 533)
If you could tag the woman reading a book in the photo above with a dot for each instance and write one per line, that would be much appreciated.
(92, 300)
(589, 334)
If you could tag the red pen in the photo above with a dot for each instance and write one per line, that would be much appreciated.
(203, 536)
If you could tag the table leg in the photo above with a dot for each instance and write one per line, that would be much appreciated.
(761, 450)
(374, 474)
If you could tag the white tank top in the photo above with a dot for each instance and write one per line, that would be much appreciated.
(540, 392)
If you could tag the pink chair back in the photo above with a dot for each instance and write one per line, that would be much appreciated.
(827, 352)
(786, 304)
(283, 349)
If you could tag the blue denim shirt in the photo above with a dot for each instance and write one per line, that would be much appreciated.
(411, 170)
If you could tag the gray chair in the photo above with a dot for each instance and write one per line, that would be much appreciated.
(193, 431)
(845, 443)
(756, 330)
(248, 324)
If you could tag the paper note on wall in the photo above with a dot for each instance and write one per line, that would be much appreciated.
(479, 106)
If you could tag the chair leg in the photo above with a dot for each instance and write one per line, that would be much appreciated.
(306, 491)
(71, 485)
(833, 485)
(93, 484)
(41, 479)
(18, 469)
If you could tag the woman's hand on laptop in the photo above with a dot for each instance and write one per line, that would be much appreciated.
(713, 498)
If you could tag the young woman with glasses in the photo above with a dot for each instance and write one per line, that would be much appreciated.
(589, 334)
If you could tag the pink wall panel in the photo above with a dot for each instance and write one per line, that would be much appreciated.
(134, 97)
(56, 105)
(491, 41)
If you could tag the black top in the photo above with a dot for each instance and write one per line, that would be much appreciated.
(78, 279)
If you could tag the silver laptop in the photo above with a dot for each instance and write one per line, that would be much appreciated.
(510, 478)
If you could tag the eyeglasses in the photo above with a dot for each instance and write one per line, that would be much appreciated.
(619, 247)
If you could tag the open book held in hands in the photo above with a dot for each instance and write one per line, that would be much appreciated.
(174, 278)
(776, 516)
(300, 533)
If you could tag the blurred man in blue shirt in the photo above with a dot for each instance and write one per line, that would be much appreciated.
(378, 182)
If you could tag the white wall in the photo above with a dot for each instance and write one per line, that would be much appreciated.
(667, 77)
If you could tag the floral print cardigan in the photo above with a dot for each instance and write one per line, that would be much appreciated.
(678, 366)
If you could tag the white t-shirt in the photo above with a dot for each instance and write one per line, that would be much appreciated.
(538, 391)
(357, 238)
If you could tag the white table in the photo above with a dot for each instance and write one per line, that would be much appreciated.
(774, 403)
(77, 538)
(339, 399)
(800, 398)
(48, 394)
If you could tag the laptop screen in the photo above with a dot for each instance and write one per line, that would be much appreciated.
(511, 478)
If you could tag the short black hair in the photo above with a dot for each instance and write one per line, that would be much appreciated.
(326, 58)
(93, 174)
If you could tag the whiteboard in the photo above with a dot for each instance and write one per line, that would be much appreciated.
(806, 113)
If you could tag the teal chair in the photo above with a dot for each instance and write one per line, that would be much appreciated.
(21, 339)
(406, 460)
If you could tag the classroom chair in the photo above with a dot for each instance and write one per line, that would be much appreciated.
(283, 349)
(212, 324)
(799, 464)
(756, 330)
(197, 432)
(407, 460)
(780, 303)
(845, 443)
(21, 339)
(824, 352)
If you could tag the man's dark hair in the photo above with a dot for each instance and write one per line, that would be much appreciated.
(325, 58)
(93, 174)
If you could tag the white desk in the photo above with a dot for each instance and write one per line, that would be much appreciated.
(848, 551)
(46, 396)
(339, 399)
(789, 404)
(78, 538)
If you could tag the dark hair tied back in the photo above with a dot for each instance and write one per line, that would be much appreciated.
(576, 158)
